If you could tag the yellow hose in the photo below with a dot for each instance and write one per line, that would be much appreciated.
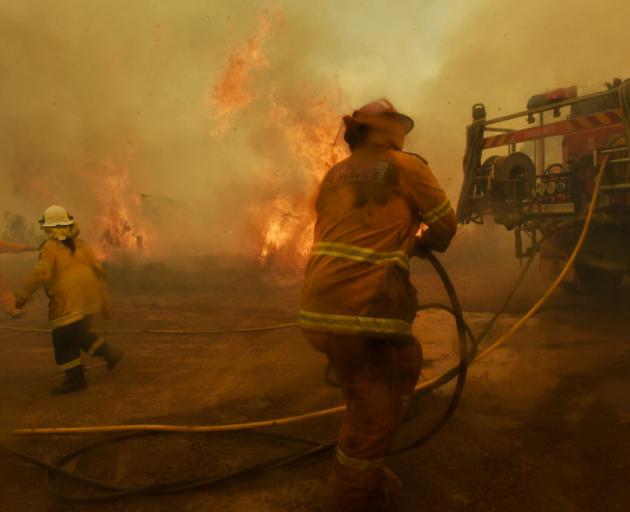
(561, 276)
(275, 327)
(336, 410)
(578, 246)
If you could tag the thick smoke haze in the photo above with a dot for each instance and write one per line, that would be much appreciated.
(107, 105)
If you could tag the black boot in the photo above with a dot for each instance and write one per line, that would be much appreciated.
(110, 354)
(73, 380)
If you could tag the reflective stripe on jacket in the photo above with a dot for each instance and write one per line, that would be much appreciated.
(369, 209)
(356, 253)
(356, 324)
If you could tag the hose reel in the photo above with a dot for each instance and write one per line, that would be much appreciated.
(511, 179)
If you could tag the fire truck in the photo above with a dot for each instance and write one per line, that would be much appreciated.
(534, 173)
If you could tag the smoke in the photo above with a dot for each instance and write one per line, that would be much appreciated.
(92, 86)
(502, 53)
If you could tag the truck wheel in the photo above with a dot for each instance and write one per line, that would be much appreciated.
(597, 281)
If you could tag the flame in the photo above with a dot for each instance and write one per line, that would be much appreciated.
(280, 226)
(121, 227)
(310, 131)
(307, 127)
(233, 90)
(309, 135)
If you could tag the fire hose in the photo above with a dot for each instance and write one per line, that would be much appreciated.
(169, 332)
(310, 448)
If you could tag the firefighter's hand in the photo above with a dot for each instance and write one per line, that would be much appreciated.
(420, 248)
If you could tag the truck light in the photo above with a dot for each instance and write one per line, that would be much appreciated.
(555, 96)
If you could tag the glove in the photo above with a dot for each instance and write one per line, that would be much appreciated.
(420, 248)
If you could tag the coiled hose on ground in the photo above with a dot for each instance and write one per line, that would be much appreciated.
(111, 491)
(108, 490)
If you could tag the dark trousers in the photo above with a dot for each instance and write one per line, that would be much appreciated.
(69, 340)
(377, 376)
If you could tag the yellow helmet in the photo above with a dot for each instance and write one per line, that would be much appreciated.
(56, 216)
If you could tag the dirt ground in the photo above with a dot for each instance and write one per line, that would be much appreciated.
(544, 423)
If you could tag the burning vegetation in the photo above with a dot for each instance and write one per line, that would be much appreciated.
(306, 127)
(233, 92)
(266, 86)
(121, 225)
(309, 134)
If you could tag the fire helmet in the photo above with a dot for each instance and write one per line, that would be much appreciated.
(56, 216)
(382, 107)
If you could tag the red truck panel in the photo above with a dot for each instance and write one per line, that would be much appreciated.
(585, 142)
(566, 127)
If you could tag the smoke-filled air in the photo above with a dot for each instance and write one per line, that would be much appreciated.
(203, 127)
(300, 255)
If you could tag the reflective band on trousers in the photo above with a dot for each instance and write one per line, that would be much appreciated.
(354, 323)
(437, 213)
(70, 364)
(95, 346)
(358, 464)
(356, 253)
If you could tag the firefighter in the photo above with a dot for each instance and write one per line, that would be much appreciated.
(7, 299)
(75, 284)
(358, 304)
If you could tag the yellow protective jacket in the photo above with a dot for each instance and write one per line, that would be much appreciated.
(369, 210)
(74, 283)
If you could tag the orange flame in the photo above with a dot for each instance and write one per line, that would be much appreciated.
(307, 129)
(233, 91)
(122, 230)
(281, 226)
(309, 135)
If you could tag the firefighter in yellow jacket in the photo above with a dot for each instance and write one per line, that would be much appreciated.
(75, 284)
(357, 302)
